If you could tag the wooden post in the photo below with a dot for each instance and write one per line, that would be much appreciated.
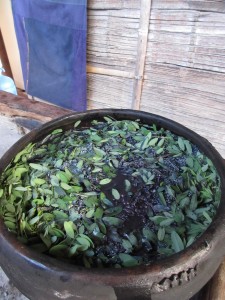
(4, 58)
(141, 52)
(215, 288)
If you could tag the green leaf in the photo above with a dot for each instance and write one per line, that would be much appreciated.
(73, 250)
(133, 240)
(98, 213)
(145, 143)
(65, 186)
(62, 176)
(90, 213)
(206, 215)
(19, 171)
(153, 142)
(127, 260)
(10, 207)
(190, 241)
(161, 142)
(188, 146)
(84, 243)
(127, 185)
(99, 152)
(34, 220)
(10, 225)
(167, 222)
(1, 192)
(170, 191)
(190, 162)
(105, 181)
(56, 131)
(161, 234)
(112, 221)
(38, 167)
(108, 120)
(46, 240)
(160, 150)
(162, 199)
(181, 144)
(127, 245)
(205, 168)
(38, 181)
(59, 215)
(54, 180)
(69, 228)
(58, 163)
(177, 242)
(77, 123)
(116, 194)
(184, 202)
(80, 164)
(21, 188)
(55, 250)
(149, 234)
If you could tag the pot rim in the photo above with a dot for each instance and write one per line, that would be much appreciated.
(197, 251)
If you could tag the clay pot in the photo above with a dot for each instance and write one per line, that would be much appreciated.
(179, 276)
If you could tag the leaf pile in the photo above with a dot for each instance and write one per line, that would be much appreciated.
(115, 194)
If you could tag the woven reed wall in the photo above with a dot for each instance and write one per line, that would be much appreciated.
(162, 56)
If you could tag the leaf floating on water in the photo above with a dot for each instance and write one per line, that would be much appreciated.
(181, 144)
(159, 151)
(188, 146)
(205, 168)
(149, 234)
(10, 225)
(55, 250)
(90, 213)
(21, 188)
(133, 240)
(77, 123)
(10, 207)
(177, 242)
(105, 181)
(127, 245)
(127, 185)
(162, 199)
(99, 152)
(161, 234)
(153, 142)
(161, 142)
(34, 220)
(39, 181)
(190, 162)
(116, 194)
(65, 186)
(38, 167)
(85, 243)
(112, 221)
(68, 226)
(127, 260)
(108, 120)
(80, 164)
(56, 131)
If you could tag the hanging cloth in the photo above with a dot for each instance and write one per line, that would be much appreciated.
(51, 35)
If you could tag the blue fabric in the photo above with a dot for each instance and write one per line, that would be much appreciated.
(52, 41)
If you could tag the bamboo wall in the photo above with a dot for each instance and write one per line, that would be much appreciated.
(162, 56)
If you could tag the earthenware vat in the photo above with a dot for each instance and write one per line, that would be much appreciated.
(181, 275)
